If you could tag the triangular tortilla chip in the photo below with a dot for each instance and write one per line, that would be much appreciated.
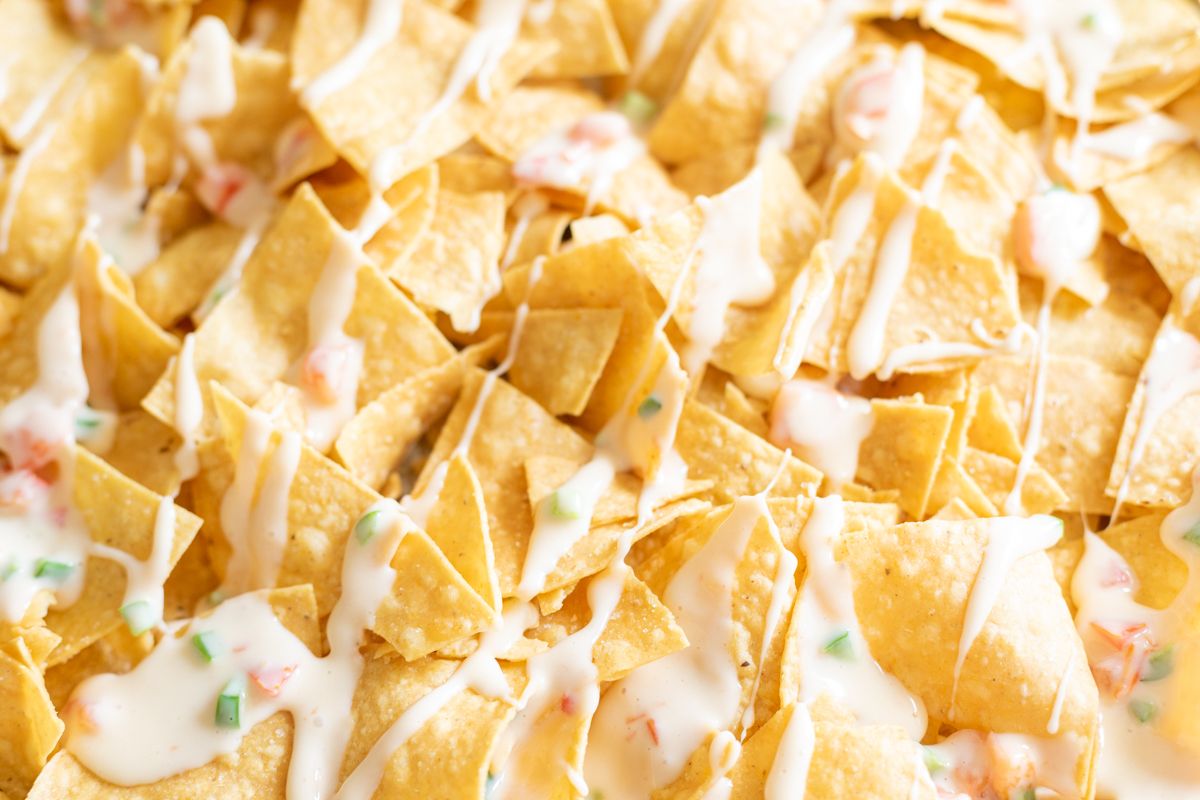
(458, 526)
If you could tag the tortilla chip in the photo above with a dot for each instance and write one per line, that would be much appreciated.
(946, 288)
(381, 434)
(561, 355)
(848, 760)
(120, 514)
(1158, 207)
(259, 768)
(265, 320)
(640, 190)
(373, 120)
(738, 462)
(129, 348)
(431, 605)
(1162, 476)
(446, 751)
(1084, 407)
(511, 429)
(903, 451)
(144, 449)
(584, 38)
(176, 282)
(324, 503)
(458, 526)
(455, 268)
(996, 476)
(50, 200)
(30, 727)
(990, 428)
(1011, 674)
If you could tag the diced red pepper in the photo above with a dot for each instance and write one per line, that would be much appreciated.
(220, 184)
(20, 489)
(271, 678)
(322, 373)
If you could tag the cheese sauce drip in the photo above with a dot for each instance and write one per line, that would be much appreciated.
(419, 507)
(158, 719)
(730, 269)
(1009, 539)
(834, 656)
(381, 23)
(1171, 373)
(651, 721)
(254, 515)
(823, 425)
(1053, 232)
(329, 371)
(208, 91)
(832, 36)
(1134, 653)
(585, 156)
(1074, 40)
(42, 537)
(497, 25)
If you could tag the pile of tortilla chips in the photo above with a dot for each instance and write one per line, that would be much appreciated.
(511, 210)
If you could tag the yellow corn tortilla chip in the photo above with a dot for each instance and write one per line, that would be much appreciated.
(1116, 332)
(561, 355)
(263, 110)
(265, 320)
(1158, 206)
(737, 461)
(640, 630)
(956, 509)
(259, 769)
(512, 428)
(455, 268)
(530, 113)
(751, 594)
(584, 38)
(430, 601)
(120, 514)
(41, 58)
(953, 483)
(129, 349)
(1162, 476)
(458, 526)
(698, 118)
(601, 275)
(996, 476)
(431, 605)
(470, 172)
(144, 449)
(904, 450)
(447, 755)
(545, 473)
(176, 282)
(380, 435)
(945, 289)
(48, 200)
(29, 726)
(1083, 411)
(848, 760)
(374, 113)
(990, 428)
(1011, 674)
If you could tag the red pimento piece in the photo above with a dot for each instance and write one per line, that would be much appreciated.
(220, 184)
(1116, 574)
(1119, 673)
(271, 678)
(601, 129)
(322, 372)
(652, 729)
(20, 489)
(567, 704)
